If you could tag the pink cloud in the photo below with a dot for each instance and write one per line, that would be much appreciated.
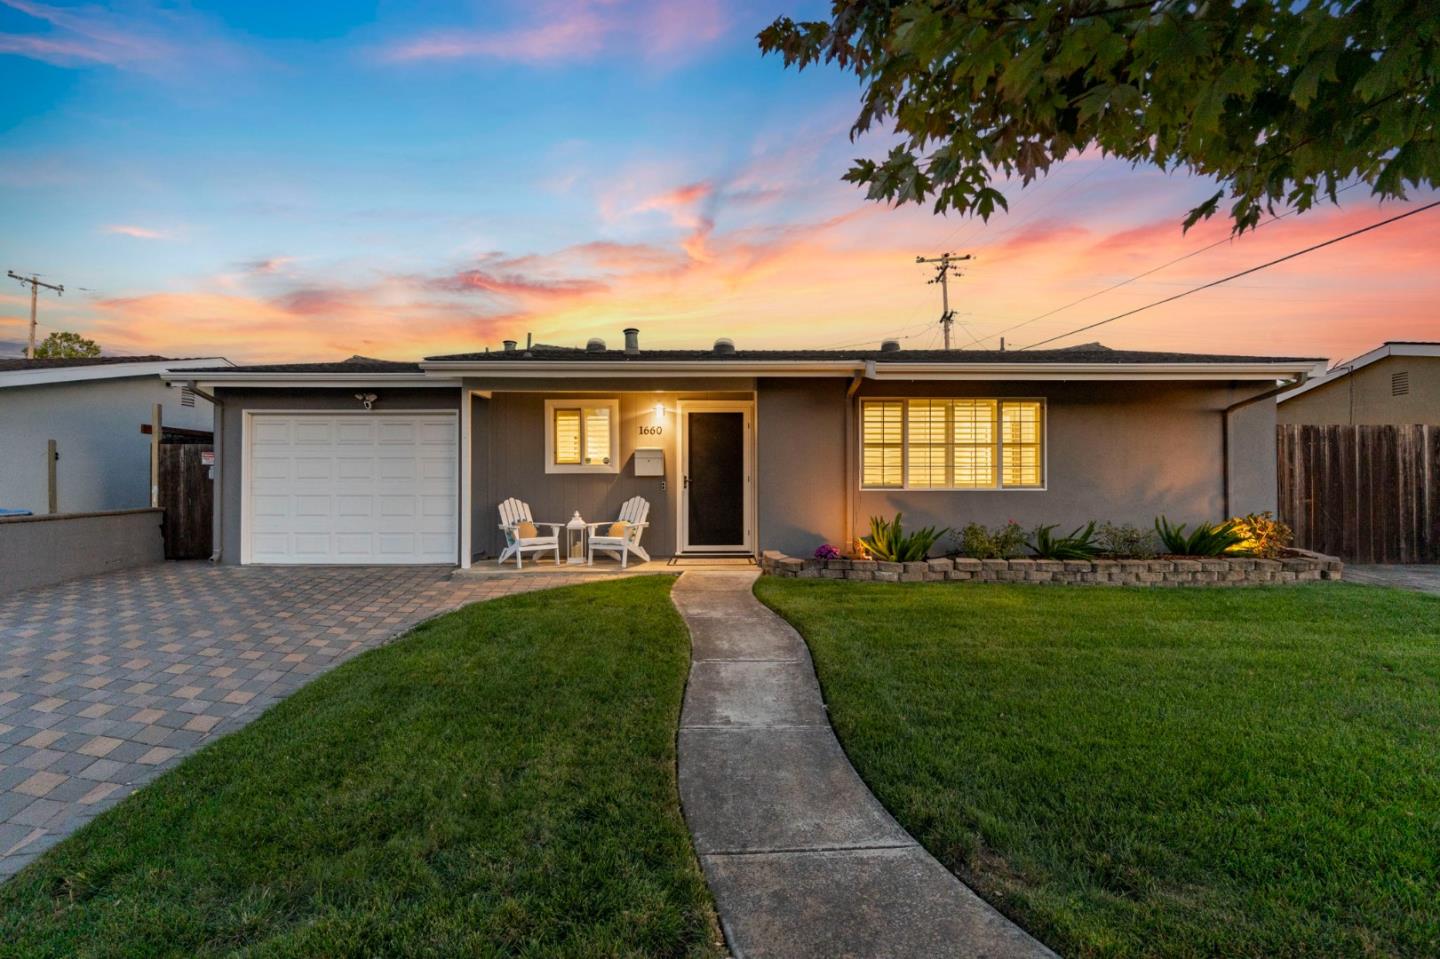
(577, 30)
(154, 40)
(135, 232)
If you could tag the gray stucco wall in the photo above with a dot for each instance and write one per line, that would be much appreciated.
(37, 551)
(230, 442)
(104, 458)
(1366, 397)
(1124, 452)
(509, 460)
(801, 437)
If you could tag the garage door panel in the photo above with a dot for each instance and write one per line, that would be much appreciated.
(352, 488)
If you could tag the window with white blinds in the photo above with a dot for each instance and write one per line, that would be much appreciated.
(952, 444)
(581, 436)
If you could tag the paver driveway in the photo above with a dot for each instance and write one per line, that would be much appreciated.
(106, 681)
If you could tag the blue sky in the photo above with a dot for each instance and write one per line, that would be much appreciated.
(271, 181)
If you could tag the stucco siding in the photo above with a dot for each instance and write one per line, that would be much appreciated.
(104, 459)
(801, 439)
(231, 439)
(514, 465)
(1124, 452)
(1365, 398)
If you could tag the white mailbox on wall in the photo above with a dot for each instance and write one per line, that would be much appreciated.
(650, 461)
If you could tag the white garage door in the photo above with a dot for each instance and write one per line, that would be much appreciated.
(351, 488)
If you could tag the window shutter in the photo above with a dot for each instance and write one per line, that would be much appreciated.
(882, 429)
(597, 435)
(1020, 428)
(567, 437)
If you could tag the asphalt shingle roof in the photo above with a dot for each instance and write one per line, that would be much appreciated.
(9, 364)
(356, 364)
(1089, 354)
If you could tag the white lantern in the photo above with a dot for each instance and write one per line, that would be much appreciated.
(575, 540)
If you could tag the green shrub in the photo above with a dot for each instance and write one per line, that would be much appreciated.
(1126, 541)
(1080, 544)
(889, 541)
(1261, 534)
(983, 543)
(1208, 539)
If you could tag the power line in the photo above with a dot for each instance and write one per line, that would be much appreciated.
(1236, 276)
(1140, 276)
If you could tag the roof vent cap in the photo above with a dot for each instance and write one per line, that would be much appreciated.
(509, 346)
(595, 345)
(725, 346)
(632, 340)
(889, 346)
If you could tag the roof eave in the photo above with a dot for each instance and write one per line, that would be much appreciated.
(105, 371)
(523, 369)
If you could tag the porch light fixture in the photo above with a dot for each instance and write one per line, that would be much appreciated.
(660, 411)
(367, 400)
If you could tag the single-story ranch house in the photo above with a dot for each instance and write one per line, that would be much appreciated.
(368, 461)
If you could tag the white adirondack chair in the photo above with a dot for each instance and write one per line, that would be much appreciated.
(512, 514)
(632, 517)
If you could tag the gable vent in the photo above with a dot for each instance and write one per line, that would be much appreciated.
(187, 396)
(1400, 383)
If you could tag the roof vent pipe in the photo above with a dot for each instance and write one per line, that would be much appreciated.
(889, 346)
(724, 346)
(632, 341)
(509, 346)
(595, 345)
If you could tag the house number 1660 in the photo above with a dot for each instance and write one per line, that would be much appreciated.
(651, 430)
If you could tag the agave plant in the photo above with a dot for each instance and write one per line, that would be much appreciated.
(1080, 544)
(1207, 539)
(889, 541)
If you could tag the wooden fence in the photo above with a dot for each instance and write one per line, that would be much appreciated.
(1368, 494)
(188, 497)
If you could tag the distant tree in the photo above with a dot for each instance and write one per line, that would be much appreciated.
(1279, 101)
(64, 346)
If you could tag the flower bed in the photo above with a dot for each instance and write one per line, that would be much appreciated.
(1296, 566)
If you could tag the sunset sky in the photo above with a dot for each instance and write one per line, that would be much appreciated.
(270, 181)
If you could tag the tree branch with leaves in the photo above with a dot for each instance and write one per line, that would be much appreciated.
(1280, 103)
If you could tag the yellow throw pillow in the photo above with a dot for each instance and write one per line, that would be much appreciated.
(526, 530)
(617, 529)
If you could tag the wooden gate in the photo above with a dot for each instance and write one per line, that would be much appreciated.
(188, 497)
(1368, 494)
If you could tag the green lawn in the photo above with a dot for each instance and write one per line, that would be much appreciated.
(501, 782)
(1132, 772)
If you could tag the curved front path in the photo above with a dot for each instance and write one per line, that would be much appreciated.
(801, 857)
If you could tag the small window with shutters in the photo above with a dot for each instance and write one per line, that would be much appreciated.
(582, 436)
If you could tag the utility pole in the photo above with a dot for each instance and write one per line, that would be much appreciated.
(944, 263)
(35, 284)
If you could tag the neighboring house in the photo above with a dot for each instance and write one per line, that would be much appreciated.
(1396, 384)
(368, 461)
(94, 410)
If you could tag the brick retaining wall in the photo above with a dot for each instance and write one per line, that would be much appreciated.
(1299, 567)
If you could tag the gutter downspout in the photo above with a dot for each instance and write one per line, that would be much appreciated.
(1285, 387)
(852, 474)
(217, 526)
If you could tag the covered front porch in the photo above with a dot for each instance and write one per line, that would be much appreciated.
(687, 454)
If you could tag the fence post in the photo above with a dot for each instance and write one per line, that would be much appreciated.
(52, 492)
(156, 428)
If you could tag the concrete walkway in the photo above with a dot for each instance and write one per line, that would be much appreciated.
(801, 857)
